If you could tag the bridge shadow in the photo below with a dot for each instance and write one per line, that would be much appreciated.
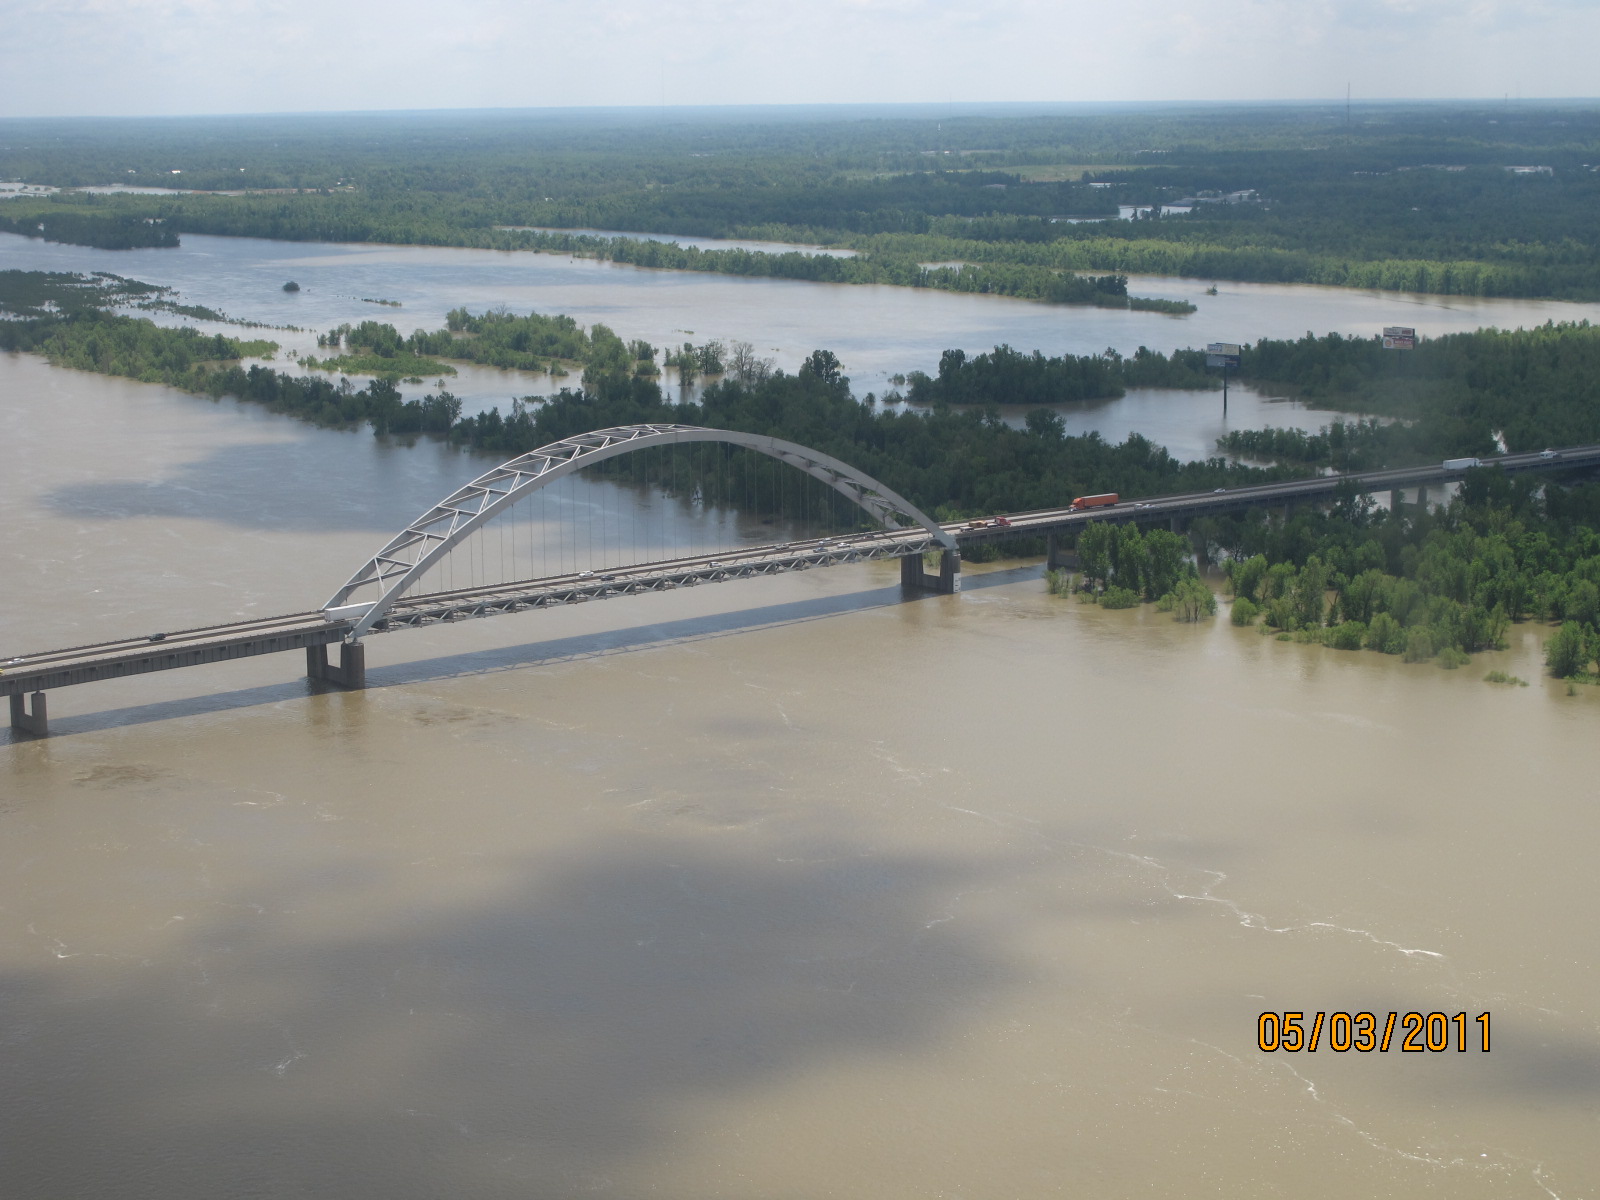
(529, 654)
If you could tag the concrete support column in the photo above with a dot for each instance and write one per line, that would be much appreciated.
(911, 571)
(949, 573)
(1397, 499)
(351, 671)
(947, 581)
(1175, 524)
(1422, 497)
(35, 722)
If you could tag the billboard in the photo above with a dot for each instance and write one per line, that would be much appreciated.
(1399, 337)
(1222, 354)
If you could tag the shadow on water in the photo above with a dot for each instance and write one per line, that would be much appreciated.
(531, 654)
(338, 1032)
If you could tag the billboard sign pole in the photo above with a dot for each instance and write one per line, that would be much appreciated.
(1224, 355)
(1399, 337)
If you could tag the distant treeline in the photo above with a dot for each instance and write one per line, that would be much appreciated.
(1464, 199)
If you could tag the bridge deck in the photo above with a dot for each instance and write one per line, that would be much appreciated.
(186, 648)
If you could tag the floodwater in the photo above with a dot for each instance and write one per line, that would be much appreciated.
(877, 332)
(783, 888)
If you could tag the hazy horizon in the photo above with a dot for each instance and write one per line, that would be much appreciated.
(923, 109)
(155, 58)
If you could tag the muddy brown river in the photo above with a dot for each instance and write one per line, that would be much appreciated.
(783, 888)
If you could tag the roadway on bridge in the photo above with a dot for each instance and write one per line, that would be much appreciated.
(192, 647)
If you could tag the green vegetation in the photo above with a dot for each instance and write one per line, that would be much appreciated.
(133, 347)
(33, 295)
(1428, 586)
(1189, 600)
(1502, 677)
(1118, 597)
(63, 317)
(1408, 197)
(1006, 376)
(107, 231)
(1450, 396)
(390, 366)
(1123, 567)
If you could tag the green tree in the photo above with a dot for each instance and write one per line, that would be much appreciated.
(1567, 651)
(1165, 557)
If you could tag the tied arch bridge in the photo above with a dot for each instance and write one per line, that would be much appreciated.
(384, 593)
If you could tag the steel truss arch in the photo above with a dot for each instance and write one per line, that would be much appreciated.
(439, 530)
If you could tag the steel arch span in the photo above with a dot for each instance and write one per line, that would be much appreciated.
(369, 594)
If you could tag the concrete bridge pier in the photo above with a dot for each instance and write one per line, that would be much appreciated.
(946, 582)
(351, 671)
(35, 723)
(1057, 558)
(1422, 497)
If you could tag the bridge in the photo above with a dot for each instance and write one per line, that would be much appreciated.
(381, 595)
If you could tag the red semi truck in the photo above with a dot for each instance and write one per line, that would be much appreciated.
(1103, 500)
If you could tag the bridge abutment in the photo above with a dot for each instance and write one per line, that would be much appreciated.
(350, 672)
(948, 581)
(34, 722)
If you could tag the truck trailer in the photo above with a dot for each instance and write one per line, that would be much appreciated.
(1103, 500)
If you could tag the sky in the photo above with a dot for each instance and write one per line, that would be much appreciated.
(172, 57)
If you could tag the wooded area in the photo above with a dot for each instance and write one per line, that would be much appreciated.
(1490, 200)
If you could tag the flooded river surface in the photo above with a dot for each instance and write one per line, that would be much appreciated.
(878, 332)
(783, 888)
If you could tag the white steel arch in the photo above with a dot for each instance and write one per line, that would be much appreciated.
(372, 590)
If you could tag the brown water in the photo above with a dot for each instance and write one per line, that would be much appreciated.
(786, 888)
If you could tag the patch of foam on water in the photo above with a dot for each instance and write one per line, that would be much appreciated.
(295, 1053)
(1252, 920)
(1248, 919)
